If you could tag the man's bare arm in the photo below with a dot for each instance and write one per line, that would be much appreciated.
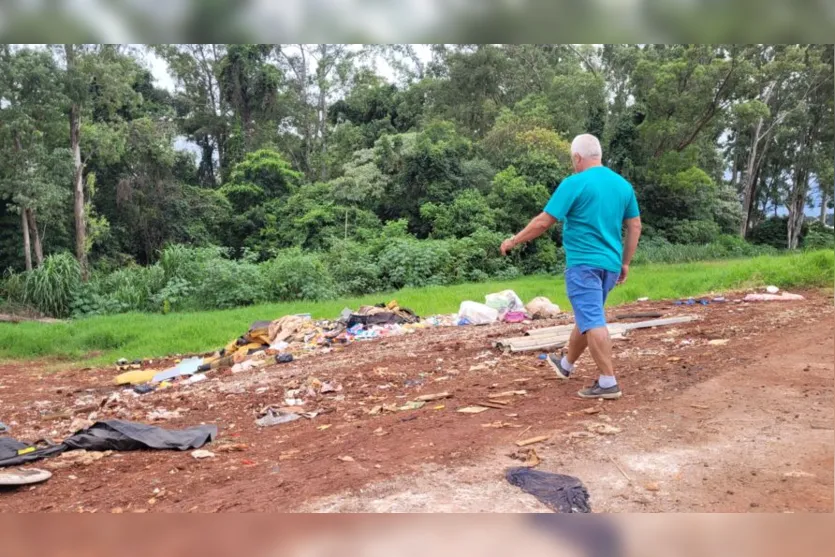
(633, 233)
(536, 228)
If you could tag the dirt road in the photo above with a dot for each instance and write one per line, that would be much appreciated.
(742, 425)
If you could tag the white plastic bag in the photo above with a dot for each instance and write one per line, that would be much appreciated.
(504, 301)
(477, 314)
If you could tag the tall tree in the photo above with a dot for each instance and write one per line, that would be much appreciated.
(202, 109)
(34, 163)
(99, 80)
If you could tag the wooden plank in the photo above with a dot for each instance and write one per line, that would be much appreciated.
(532, 440)
(660, 322)
(642, 315)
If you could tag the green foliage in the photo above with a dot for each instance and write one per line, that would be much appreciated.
(51, 287)
(819, 237)
(293, 275)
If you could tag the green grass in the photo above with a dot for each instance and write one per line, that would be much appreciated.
(101, 340)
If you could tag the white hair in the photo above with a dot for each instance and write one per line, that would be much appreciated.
(587, 146)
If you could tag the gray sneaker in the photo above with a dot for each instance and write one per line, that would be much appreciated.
(556, 363)
(596, 391)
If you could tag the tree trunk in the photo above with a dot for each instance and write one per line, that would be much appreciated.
(36, 236)
(824, 200)
(27, 249)
(323, 114)
(798, 202)
(749, 183)
(78, 174)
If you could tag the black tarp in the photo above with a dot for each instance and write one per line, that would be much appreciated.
(560, 493)
(110, 435)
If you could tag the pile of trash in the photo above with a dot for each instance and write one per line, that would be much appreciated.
(507, 307)
(295, 336)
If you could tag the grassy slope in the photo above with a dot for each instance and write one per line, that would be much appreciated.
(102, 340)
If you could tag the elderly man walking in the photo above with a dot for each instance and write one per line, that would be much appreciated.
(594, 204)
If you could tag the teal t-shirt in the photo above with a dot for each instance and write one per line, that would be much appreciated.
(592, 206)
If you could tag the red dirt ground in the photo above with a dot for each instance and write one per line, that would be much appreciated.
(741, 426)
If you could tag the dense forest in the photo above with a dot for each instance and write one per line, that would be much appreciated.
(274, 172)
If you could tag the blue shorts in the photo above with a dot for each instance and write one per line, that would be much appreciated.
(587, 289)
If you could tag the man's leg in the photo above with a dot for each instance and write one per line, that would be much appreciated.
(564, 365)
(600, 346)
(577, 344)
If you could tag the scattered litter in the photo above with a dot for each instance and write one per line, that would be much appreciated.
(232, 448)
(542, 357)
(507, 394)
(515, 317)
(23, 476)
(144, 389)
(528, 457)
(329, 388)
(700, 406)
(542, 308)
(412, 405)
(284, 358)
(345, 458)
(772, 289)
(161, 414)
(798, 474)
(273, 417)
(202, 453)
(719, 341)
(532, 440)
(477, 314)
(652, 486)
(560, 493)
(505, 302)
(4, 428)
(499, 425)
(643, 299)
(323, 427)
(782, 297)
(439, 407)
(580, 435)
(472, 409)
(430, 398)
(497, 404)
(186, 367)
(115, 435)
(603, 429)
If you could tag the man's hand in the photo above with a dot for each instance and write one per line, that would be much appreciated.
(507, 245)
(624, 272)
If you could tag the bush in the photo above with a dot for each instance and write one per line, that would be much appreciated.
(774, 232)
(693, 232)
(410, 262)
(293, 275)
(354, 268)
(819, 237)
(228, 284)
(51, 287)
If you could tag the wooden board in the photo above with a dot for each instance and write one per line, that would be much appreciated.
(548, 338)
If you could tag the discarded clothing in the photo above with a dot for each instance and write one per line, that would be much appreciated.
(273, 417)
(560, 493)
(118, 435)
(109, 435)
(382, 314)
